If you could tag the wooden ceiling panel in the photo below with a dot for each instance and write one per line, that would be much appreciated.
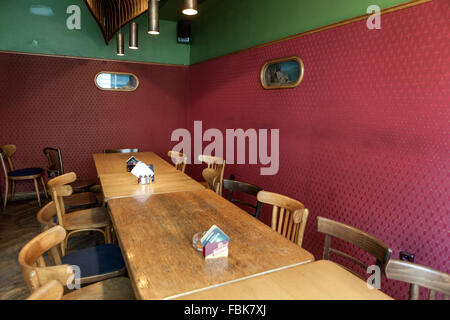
(111, 15)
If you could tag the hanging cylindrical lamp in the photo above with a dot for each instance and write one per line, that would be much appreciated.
(119, 37)
(153, 16)
(190, 7)
(133, 35)
(120, 45)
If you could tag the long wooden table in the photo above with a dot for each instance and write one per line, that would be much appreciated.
(118, 183)
(155, 235)
(107, 163)
(320, 280)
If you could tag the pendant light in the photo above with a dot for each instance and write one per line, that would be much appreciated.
(190, 7)
(134, 35)
(153, 16)
(120, 46)
(119, 37)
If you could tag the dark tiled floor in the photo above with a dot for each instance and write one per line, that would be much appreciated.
(18, 225)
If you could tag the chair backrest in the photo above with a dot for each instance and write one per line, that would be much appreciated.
(45, 216)
(31, 260)
(417, 275)
(59, 189)
(289, 216)
(211, 177)
(179, 159)
(55, 164)
(6, 152)
(128, 150)
(243, 187)
(215, 163)
(359, 238)
(52, 290)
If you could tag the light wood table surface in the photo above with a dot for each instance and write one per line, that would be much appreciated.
(118, 183)
(107, 163)
(320, 280)
(155, 235)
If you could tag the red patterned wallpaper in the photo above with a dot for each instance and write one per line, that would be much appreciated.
(364, 139)
(49, 101)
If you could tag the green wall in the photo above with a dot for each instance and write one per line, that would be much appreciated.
(225, 26)
(222, 26)
(25, 32)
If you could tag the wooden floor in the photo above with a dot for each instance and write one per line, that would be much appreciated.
(18, 225)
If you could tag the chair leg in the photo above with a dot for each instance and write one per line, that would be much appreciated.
(37, 191)
(43, 185)
(108, 235)
(13, 189)
(6, 194)
(63, 248)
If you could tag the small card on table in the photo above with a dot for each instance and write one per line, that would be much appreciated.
(131, 163)
(215, 243)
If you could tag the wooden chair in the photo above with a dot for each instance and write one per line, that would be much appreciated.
(128, 150)
(47, 216)
(179, 159)
(76, 200)
(6, 152)
(365, 241)
(289, 216)
(237, 186)
(52, 290)
(211, 177)
(92, 219)
(217, 164)
(417, 275)
(55, 168)
(101, 264)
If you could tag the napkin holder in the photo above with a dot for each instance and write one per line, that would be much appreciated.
(144, 173)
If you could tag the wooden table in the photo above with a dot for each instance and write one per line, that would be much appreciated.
(320, 280)
(107, 163)
(155, 235)
(118, 183)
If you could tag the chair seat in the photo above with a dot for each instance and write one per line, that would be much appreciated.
(79, 200)
(87, 219)
(25, 172)
(81, 185)
(95, 261)
(96, 189)
(111, 289)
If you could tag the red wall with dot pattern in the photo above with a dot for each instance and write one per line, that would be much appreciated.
(364, 139)
(49, 101)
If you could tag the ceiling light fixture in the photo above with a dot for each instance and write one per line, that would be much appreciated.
(153, 16)
(119, 37)
(120, 45)
(190, 7)
(133, 36)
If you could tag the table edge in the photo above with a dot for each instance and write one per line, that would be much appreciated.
(240, 279)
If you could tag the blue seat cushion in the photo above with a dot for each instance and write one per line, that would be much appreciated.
(25, 172)
(96, 260)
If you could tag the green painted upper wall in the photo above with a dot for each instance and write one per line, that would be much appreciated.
(221, 27)
(227, 26)
(25, 32)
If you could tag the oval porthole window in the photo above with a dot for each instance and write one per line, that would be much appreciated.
(116, 81)
(282, 73)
